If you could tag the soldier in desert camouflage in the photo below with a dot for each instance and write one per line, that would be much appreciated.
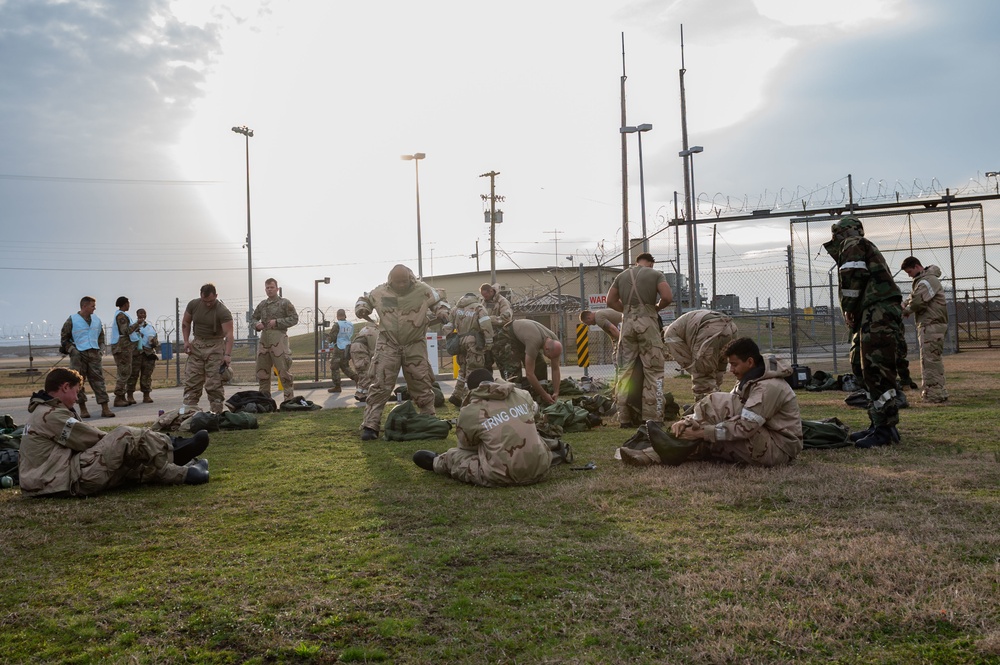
(362, 350)
(498, 444)
(471, 322)
(501, 314)
(272, 318)
(696, 341)
(927, 303)
(406, 306)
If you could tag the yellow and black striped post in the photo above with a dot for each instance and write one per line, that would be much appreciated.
(582, 345)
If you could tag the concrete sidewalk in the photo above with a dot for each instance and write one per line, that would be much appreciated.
(166, 399)
(171, 398)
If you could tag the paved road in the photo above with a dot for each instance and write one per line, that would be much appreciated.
(170, 398)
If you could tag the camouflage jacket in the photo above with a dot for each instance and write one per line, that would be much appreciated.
(687, 336)
(499, 309)
(403, 317)
(284, 315)
(769, 416)
(499, 424)
(53, 436)
(865, 278)
(926, 301)
(363, 344)
(469, 316)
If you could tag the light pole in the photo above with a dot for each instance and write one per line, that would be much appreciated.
(640, 129)
(325, 280)
(416, 157)
(689, 206)
(247, 133)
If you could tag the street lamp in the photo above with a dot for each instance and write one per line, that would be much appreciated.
(416, 157)
(247, 133)
(640, 129)
(325, 280)
(692, 214)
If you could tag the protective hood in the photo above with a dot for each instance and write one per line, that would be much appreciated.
(933, 271)
(42, 398)
(499, 390)
(467, 299)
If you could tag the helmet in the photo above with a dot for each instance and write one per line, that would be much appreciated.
(848, 226)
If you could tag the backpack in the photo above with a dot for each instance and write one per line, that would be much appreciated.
(231, 420)
(825, 434)
(404, 394)
(252, 401)
(299, 404)
(405, 423)
(8, 463)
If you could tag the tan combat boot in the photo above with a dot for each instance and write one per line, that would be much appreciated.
(120, 401)
(83, 411)
(130, 397)
(146, 399)
(106, 411)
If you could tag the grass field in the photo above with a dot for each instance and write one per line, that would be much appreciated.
(310, 546)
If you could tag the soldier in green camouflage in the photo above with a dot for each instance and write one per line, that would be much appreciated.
(125, 348)
(406, 306)
(272, 318)
(82, 339)
(871, 303)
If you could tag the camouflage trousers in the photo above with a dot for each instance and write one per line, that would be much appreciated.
(759, 450)
(202, 371)
(878, 333)
(340, 362)
(502, 353)
(126, 454)
(361, 362)
(902, 363)
(143, 365)
(470, 356)
(932, 369)
(386, 363)
(88, 363)
(640, 342)
(278, 356)
(709, 366)
(123, 362)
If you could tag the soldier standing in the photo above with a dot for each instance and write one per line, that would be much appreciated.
(145, 361)
(272, 318)
(501, 314)
(341, 335)
(871, 303)
(697, 340)
(640, 292)
(471, 322)
(124, 347)
(927, 303)
(209, 352)
(362, 349)
(82, 338)
(405, 307)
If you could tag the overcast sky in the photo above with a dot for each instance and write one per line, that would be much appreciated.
(120, 175)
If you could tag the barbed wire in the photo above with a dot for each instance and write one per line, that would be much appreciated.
(839, 193)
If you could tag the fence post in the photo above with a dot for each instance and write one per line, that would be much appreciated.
(793, 326)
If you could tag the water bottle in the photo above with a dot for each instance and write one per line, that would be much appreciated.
(6, 482)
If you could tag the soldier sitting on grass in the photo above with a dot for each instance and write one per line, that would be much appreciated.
(62, 456)
(758, 423)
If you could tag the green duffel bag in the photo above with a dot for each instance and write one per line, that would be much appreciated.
(405, 423)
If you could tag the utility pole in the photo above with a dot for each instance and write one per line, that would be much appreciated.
(476, 256)
(493, 221)
(626, 248)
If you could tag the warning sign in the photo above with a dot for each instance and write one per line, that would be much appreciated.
(598, 301)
